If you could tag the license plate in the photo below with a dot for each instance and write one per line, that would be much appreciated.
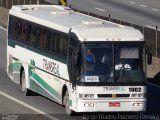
(114, 104)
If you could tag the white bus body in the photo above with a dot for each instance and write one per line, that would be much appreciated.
(46, 51)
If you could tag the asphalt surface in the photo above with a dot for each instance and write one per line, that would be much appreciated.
(30, 107)
(12, 110)
(140, 12)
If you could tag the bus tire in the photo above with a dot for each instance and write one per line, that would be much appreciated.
(25, 91)
(66, 104)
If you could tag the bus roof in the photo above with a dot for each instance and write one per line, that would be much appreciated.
(87, 28)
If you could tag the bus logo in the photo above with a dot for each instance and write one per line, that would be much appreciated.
(114, 96)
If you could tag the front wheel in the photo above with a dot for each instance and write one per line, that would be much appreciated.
(66, 104)
(25, 91)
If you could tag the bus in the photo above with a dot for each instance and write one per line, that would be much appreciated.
(84, 63)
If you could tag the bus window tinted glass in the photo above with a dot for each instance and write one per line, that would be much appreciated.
(49, 40)
(57, 43)
(24, 34)
(42, 38)
(53, 42)
(63, 45)
(33, 35)
(13, 27)
(19, 29)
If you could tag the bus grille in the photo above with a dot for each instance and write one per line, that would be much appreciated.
(111, 95)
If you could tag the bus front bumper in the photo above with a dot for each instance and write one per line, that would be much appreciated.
(132, 105)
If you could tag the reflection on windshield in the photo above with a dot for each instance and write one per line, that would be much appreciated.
(98, 62)
(90, 58)
(128, 63)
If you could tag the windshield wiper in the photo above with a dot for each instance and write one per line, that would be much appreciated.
(105, 78)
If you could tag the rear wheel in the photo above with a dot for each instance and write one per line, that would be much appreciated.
(66, 104)
(25, 91)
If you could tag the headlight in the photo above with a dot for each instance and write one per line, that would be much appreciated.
(139, 95)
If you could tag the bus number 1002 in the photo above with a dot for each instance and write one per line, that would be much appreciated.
(132, 89)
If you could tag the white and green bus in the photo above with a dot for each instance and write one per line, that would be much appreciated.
(84, 63)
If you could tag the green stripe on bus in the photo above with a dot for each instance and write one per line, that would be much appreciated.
(13, 43)
(38, 79)
(15, 67)
(70, 102)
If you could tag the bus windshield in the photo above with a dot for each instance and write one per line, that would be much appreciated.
(113, 62)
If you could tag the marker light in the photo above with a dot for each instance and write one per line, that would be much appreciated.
(140, 95)
(87, 96)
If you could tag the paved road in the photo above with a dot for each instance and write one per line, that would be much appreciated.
(13, 110)
(13, 102)
(142, 12)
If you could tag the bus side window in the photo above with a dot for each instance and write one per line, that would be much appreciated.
(39, 37)
(42, 38)
(33, 35)
(24, 31)
(49, 40)
(19, 29)
(53, 42)
(66, 45)
(57, 49)
(13, 27)
(63, 45)
(29, 33)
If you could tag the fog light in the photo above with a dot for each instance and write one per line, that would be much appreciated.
(137, 104)
(86, 105)
(89, 105)
(140, 104)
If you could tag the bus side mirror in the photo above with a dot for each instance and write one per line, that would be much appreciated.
(149, 58)
(75, 57)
